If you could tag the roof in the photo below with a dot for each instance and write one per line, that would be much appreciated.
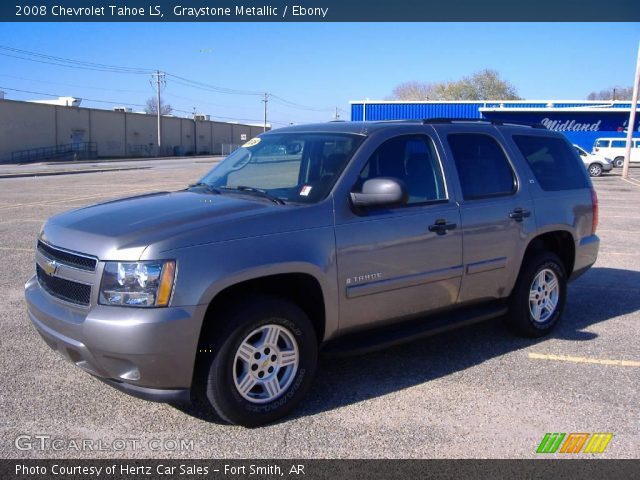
(365, 128)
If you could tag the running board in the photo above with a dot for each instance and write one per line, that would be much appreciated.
(365, 341)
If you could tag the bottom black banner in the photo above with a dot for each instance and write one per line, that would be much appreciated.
(318, 469)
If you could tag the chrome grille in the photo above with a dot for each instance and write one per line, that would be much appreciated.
(68, 258)
(67, 290)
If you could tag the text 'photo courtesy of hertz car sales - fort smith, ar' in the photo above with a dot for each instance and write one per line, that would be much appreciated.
(329, 237)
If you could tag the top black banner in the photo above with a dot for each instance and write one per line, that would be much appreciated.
(320, 11)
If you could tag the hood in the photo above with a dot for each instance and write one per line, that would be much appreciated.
(122, 229)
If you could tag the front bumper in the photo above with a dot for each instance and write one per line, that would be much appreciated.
(607, 167)
(147, 352)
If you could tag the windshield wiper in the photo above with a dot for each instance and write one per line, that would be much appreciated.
(258, 192)
(206, 186)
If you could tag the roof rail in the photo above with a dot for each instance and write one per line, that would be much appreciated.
(482, 120)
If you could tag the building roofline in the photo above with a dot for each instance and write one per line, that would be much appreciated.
(556, 109)
(593, 102)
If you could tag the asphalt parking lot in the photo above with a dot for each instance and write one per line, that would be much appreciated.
(478, 392)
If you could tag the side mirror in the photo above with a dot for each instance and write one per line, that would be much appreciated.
(379, 192)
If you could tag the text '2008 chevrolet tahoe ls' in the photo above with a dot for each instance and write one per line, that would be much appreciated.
(339, 235)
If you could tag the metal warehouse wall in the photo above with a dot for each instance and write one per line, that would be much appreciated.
(25, 125)
(471, 110)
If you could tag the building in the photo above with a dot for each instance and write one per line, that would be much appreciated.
(62, 101)
(39, 131)
(581, 121)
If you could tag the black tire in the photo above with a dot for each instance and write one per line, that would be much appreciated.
(595, 170)
(618, 162)
(216, 386)
(520, 318)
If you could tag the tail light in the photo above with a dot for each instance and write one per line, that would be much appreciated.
(596, 217)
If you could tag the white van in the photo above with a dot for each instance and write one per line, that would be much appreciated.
(614, 149)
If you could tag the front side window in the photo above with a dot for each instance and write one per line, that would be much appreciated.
(482, 165)
(602, 144)
(553, 163)
(411, 159)
(294, 167)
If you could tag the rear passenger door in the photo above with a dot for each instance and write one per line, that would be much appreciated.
(495, 208)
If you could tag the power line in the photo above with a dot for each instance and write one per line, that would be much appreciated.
(69, 84)
(57, 95)
(67, 62)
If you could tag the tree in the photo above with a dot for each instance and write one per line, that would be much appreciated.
(151, 107)
(482, 85)
(612, 93)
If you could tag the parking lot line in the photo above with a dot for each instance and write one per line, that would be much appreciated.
(605, 252)
(632, 181)
(72, 199)
(16, 249)
(617, 231)
(598, 361)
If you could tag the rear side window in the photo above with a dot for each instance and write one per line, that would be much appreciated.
(618, 144)
(553, 162)
(602, 143)
(482, 165)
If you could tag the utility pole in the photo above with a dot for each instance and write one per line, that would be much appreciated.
(158, 81)
(265, 101)
(336, 116)
(632, 118)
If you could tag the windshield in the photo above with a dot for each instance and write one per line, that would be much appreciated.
(294, 167)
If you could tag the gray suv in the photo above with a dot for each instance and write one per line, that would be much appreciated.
(339, 237)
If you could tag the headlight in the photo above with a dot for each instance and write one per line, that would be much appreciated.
(138, 284)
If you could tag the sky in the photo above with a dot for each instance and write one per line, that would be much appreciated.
(316, 66)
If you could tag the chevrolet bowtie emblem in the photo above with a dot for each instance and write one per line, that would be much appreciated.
(50, 267)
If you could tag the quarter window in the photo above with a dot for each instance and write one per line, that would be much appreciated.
(411, 159)
(553, 162)
(482, 165)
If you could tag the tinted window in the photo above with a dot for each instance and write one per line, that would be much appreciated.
(602, 143)
(553, 162)
(618, 144)
(411, 159)
(482, 165)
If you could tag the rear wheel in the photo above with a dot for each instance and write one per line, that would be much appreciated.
(538, 299)
(618, 162)
(263, 362)
(595, 169)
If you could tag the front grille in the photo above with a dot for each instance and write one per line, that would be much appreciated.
(68, 258)
(73, 292)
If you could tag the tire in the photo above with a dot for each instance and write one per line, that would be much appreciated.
(533, 316)
(595, 170)
(618, 162)
(267, 343)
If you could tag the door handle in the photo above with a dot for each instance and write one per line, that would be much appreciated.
(441, 226)
(518, 214)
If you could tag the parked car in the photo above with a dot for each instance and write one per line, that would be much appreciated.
(596, 164)
(615, 149)
(369, 234)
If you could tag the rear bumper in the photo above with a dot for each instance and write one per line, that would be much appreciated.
(586, 255)
(149, 353)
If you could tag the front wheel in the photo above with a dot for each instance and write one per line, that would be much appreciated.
(538, 299)
(618, 162)
(595, 170)
(263, 364)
